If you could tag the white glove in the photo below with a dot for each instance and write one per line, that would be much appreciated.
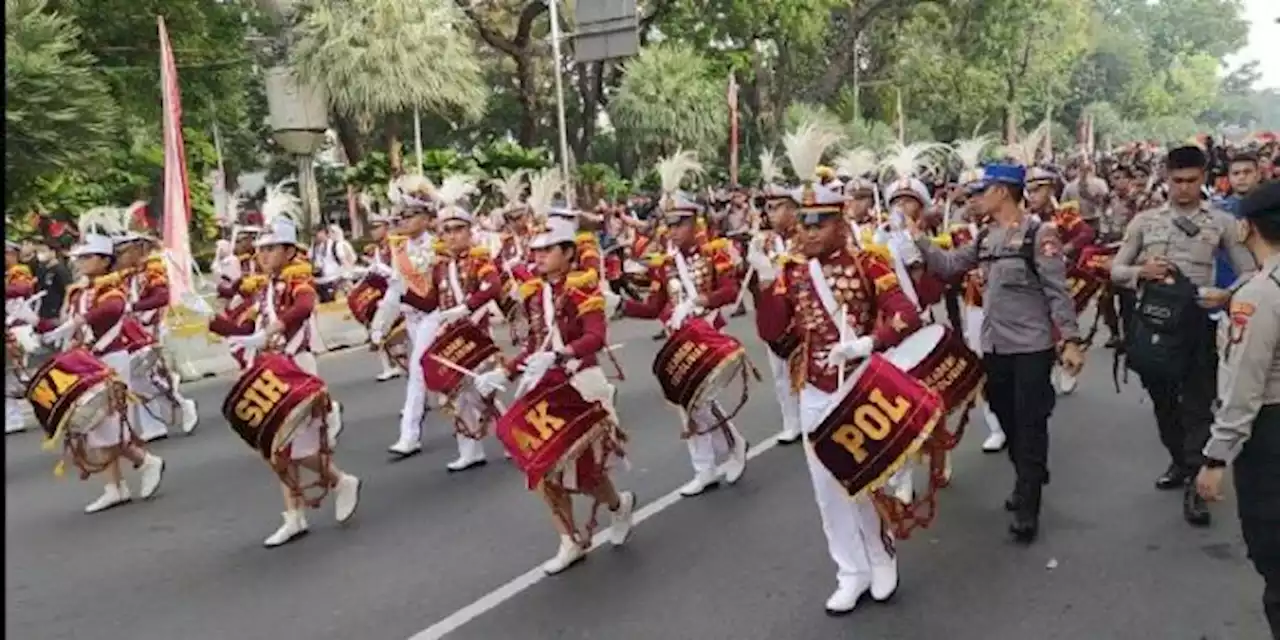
(491, 382)
(681, 313)
(760, 261)
(19, 311)
(357, 273)
(511, 263)
(60, 333)
(453, 314)
(850, 350)
(254, 342)
(539, 363)
(376, 337)
(611, 303)
(383, 270)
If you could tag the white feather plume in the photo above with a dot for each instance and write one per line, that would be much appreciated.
(543, 187)
(366, 201)
(769, 171)
(511, 187)
(970, 151)
(280, 202)
(1024, 151)
(673, 169)
(856, 163)
(805, 147)
(454, 189)
(905, 161)
(106, 221)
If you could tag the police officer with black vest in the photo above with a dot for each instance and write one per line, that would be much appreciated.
(1029, 315)
(1168, 258)
(1246, 426)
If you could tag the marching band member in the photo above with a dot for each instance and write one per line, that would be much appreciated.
(95, 311)
(286, 303)
(778, 243)
(414, 252)
(463, 282)
(568, 331)
(19, 285)
(146, 283)
(908, 199)
(236, 271)
(377, 260)
(809, 297)
(857, 166)
(690, 279)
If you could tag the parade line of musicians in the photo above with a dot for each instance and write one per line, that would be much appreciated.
(844, 268)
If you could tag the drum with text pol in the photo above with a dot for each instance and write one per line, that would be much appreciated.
(880, 416)
(551, 427)
(938, 357)
(73, 393)
(462, 344)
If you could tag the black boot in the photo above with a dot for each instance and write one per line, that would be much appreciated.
(1026, 520)
(1194, 509)
(1175, 477)
(1014, 501)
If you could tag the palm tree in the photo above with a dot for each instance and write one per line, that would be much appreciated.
(380, 58)
(58, 114)
(670, 98)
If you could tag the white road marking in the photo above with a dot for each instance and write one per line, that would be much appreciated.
(528, 579)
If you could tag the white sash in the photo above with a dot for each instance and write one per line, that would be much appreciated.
(900, 268)
(686, 278)
(779, 246)
(455, 284)
(549, 317)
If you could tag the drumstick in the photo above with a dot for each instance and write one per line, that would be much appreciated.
(844, 316)
(742, 291)
(460, 369)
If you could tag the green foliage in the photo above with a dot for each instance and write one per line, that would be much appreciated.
(669, 99)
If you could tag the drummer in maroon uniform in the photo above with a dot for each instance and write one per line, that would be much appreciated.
(286, 304)
(377, 261)
(809, 298)
(693, 279)
(464, 280)
(571, 337)
(95, 311)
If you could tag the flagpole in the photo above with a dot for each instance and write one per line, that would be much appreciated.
(554, 6)
(417, 136)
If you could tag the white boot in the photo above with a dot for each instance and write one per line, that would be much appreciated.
(346, 496)
(150, 474)
(904, 484)
(701, 481)
(846, 596)
(190, 416)
(112, 495)
(996, 441)
(884, 579)
(334, 421)
(389, 372)
(736, 465)
(404, 449)
(470, 454)
(1066, 382)
(789, 436)
(14, 421)
(295, 524)
(620, 528)
(566, 556)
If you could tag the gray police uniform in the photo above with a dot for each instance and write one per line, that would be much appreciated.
(1182, 404)
(1023, 307)
(1246, 426)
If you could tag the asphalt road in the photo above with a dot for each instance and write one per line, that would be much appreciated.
(431, 551)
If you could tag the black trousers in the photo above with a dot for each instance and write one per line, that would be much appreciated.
(1021, 394)
(1257, 480)
(1184, 403)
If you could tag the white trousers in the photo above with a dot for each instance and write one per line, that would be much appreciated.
(149, 416)
(421, 331)
(851, 525)
(973, 317)
(788, 400)
(705, 449)
(108, 432)
(13, 418)
(306, 442)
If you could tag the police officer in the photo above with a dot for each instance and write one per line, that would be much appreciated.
(1183, 234)
(1246, 425)
(1026, 299)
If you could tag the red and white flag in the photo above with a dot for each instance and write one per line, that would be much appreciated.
(177, 197)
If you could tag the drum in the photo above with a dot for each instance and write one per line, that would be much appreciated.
(72, 393)
(1083, 285)
(696, 363)
(270, 402)
(1096, 260)
(882, 416)
(461, 343)
(549, 427)
(938, 357)
(396, 344)
(364, 298)
(136, 335)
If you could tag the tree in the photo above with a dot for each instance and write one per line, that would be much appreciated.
(668, 99)
(376, 58)
(58, 113)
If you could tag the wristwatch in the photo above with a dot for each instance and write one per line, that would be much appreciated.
(1214, 463)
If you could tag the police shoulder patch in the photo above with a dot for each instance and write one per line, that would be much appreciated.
(1240, 313)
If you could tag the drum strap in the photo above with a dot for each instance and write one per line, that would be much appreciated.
(455, 283)
(686, 278)
(900, 267)
(549, 317)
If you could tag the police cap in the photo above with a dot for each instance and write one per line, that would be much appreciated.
(1185, 157)
(1264, 202)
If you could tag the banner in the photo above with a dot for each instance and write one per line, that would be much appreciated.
(177, 198)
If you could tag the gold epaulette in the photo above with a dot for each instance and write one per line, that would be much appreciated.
(716, 245)
(879, 250)
(18, 270)
(252, 283)
(440, 248)
(296, 270)
(113, 279)
(655, 260)
(584, 238)
(943, 241)
(481, 253)
(586, 280)
(397, 240)
(528, 288)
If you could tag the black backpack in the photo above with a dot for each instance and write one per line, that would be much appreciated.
(1026, 252)
(1161, 330)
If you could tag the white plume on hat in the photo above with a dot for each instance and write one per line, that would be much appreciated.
(769, 170)
(1024, 151)
(511, 188)
(805, 147)
(969, 151)
(452, 195)
(543, 187)
(904, 163)
(856, 163)
(411, 190)
(104, 221)
(279, 202)
(673, 169)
